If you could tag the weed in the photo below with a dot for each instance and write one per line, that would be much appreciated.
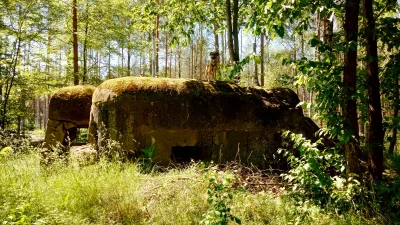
(147, 158)
(319, 175)
(220, 197)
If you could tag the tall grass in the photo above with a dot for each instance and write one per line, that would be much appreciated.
(111, 193)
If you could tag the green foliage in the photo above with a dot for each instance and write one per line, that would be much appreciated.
(240, 65)
(19, 217)
(106, 193)
(390, 86)
(147, 158)
(82, 136)
(220, 197)
(318, 174)
(10, 143)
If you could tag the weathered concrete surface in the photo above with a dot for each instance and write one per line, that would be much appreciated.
(69, 110)
(72, 104)
(217, 121)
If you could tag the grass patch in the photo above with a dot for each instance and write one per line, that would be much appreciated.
(111, 193)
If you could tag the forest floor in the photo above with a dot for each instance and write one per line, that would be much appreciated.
(103, 192)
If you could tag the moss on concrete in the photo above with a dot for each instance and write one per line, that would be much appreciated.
(72, 104)
(133, 110)
(179, 103)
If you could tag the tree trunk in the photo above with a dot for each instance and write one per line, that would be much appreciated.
(166, 54)
(109, 60)
(255, 78)
(84, 77)
(235, 28)
(374, 102)
(223, 48)
(128, 66)
(75, 41)
(393, 140)
(150, 57)
(230, 31)
(318, 22)
(350, 126)
(179, 60)
(157, 44)
(201, 51)
(262, 59)
(170, 65)
(10, 82)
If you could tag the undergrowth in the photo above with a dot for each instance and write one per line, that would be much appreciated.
(108, 192)
(317, 176)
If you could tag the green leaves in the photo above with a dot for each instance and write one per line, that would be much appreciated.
(280, 30)
(220, 195)
(318, 173)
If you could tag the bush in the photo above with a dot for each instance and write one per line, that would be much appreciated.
(318, 174)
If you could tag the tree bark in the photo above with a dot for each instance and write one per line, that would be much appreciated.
(75, 40)
(166, 54)
(262, 59)
(393, 140)
(84, 77)
(350, 126)
(255, 78)
(235, 28)
(201, 52)
(230, 31)
(157, 43)
(374, 101)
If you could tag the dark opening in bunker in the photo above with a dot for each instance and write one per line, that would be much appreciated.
(183, 154)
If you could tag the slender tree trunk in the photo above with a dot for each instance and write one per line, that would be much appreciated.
(350, 126)
(175, 65)
(98, 64)
(170, 65)
(109, 60)
(255, 78)
(230, 37)
(122, 57)
(150, 57)
(235, 28)
(157, 43)
(223, 48)
(393, 140)
(201, 52)
(166, 54)
(179, 61)
(192, 52)
(84, 77)
(317, 21)
(374, 102)
(75, 41)
(262, 59)
(10, 83)
(129, 61)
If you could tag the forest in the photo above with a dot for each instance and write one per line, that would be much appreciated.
(341, 58)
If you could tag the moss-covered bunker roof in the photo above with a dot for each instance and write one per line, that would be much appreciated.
(72, 104)
(189, 87)
(71, 92)
(189, 104)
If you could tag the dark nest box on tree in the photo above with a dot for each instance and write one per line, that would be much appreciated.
(197, 120)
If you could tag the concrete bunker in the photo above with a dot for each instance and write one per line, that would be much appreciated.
(69, 110)
(190, 119)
